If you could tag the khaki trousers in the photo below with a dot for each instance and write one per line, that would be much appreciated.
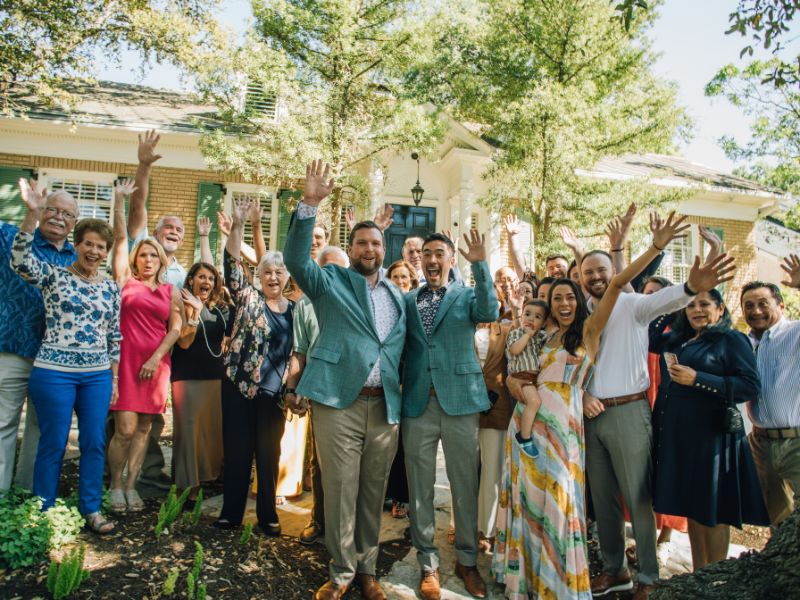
(493, 449)
(355, 446)
(14, 373)
(778, 466)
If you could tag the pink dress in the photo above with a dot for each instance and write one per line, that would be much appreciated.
(143, 324)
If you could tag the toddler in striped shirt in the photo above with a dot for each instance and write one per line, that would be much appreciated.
(522, 349)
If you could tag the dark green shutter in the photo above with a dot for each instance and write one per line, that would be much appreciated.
(285, 213)
(209, 201)
(12, 210)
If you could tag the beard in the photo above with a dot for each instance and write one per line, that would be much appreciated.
(366, 269)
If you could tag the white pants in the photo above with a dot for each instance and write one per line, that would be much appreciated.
(492, 442)
(14, 374)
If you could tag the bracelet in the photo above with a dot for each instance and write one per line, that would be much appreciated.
(687, 290)
(657, 248)
(618, 249)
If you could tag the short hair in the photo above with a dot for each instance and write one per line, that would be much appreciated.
(98, 226)
(324, 227)
(547, 281)
(597, 252)
(556, 257)
(163, 219)
(439, 237)
(330, 250)
(412, 272)
(162, 257)
(273, 258)
(754, 285)
(540, 303)
(364, 225)
(413, 237)
(217, 296)
(65, 193)
(662, 281)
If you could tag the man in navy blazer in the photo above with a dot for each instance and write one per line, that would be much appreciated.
(443, 394)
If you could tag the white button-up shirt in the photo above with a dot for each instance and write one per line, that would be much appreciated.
(777, 358)
(621, 364)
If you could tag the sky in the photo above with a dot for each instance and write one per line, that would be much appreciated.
(689, 37)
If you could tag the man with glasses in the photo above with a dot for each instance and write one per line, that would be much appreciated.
(22, 327)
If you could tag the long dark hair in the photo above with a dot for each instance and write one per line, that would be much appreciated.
(216, 296)
(682, 330)
(573, 336)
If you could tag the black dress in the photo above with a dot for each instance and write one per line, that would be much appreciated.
(700, 472)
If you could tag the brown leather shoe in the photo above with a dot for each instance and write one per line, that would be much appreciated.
(472, 580)
(370, 588)
(643, 591)
(429, 587)
(330, 591)
(605, 584)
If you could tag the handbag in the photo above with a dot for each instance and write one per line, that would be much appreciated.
(731, 420)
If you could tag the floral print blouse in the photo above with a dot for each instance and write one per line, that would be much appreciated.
(81, 318)
(251, 332)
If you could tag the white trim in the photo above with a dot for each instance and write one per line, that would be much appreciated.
(46, 174)
(250, 188)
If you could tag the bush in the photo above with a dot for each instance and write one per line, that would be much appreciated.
(65, 577)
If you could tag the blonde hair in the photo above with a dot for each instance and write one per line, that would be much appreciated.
(161, 274)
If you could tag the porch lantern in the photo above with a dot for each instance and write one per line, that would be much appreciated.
(417, 190)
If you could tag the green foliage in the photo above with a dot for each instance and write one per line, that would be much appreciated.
(170, 509)
(246, 533)
(193, 578)
(791, 299)
(198, 508)
(64, 577)
(27, 533)
(190, 586)
(198, 560)
(333, 69)
(201, 591)
(48, 43)
(557, 86)
(168, 589)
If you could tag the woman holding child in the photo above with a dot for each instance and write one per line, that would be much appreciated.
(540, 549)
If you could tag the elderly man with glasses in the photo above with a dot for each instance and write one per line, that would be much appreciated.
(22, 328)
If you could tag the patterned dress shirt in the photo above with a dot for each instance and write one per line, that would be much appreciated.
(21, 304)
(428, 302)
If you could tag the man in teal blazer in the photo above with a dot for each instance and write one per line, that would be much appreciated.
(443, 394)
(352, 377)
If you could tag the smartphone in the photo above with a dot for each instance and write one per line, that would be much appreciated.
(671, 359)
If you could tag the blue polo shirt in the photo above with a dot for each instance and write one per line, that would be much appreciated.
(21, 304)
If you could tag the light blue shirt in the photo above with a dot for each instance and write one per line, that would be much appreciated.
(777, 358)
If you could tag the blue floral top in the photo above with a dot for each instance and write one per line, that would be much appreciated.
(81, 318)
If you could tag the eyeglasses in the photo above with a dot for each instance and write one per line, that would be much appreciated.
(52, 210)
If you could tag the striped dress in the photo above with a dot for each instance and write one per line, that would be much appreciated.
(540, 549)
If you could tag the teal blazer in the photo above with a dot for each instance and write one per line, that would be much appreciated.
(347, 347)
(447, 361)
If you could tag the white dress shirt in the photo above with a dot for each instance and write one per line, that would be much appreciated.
(620, 367)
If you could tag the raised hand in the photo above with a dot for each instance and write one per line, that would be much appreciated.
(449, 235)
(192, 301)
(570, 239)
(147, 147)
(255, 212)
(512, 225)
(350, 218)
(224, 222)
(241, 210)
(709, 275)
(33, 198)
(203, 226)
(317, 186)
(124, 188)
(626, 220)
(791, 264)
(383, 217)
(615, 232)
(515, 300)
(666, 231)
(476, 248)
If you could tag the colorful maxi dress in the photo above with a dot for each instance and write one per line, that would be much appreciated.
(540, 549)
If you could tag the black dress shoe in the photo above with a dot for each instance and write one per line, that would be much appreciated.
(270, 529)
(225, 524)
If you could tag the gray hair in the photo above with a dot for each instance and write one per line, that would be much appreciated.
(273, 259)
(161, 221)
(325, 255)
(66, 195)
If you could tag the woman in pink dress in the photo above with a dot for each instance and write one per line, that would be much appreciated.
(150, 323)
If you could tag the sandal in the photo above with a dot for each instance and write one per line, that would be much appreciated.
(99, 524)
(134, 500)
(118, 502)
(399, 510)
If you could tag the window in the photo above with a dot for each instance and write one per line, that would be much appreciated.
(94, 192)
(260, 103)
(269, 214)
(344, 230)
(678, 258)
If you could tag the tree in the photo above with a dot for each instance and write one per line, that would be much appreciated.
(557, 86)
(48, 43)
(328, 70)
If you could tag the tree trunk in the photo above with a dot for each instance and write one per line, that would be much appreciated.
(772, 573)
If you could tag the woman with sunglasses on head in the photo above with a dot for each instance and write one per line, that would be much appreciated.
(252, 416)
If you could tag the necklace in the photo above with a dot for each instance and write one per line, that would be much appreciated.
(205, 335)
(90, 279)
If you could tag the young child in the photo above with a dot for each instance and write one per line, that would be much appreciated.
(522, 349)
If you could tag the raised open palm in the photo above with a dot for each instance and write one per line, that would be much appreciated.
(33, 198)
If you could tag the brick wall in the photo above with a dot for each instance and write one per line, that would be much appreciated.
(172, 191)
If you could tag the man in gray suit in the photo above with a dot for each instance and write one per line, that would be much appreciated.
(352, 378)
(443, 394)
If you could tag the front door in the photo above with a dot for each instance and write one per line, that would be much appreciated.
(407, 221)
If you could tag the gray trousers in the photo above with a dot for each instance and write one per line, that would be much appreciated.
(619, 464)
(14, 374)
(459, 436)
(355, 446)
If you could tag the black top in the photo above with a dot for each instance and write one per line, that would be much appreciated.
(197, 362)
(279, 348)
